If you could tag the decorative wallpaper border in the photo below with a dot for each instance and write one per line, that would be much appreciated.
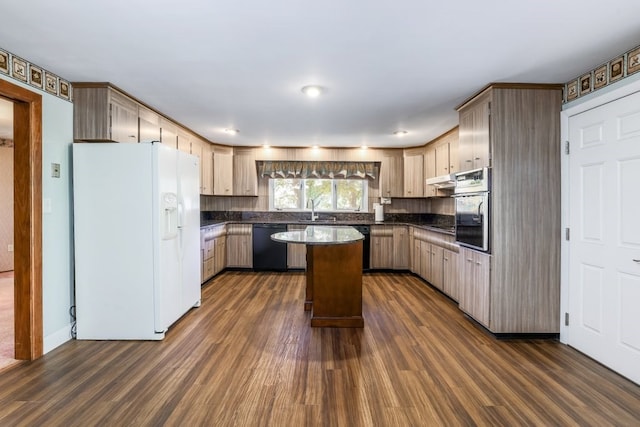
(13, 66)
(612, 71)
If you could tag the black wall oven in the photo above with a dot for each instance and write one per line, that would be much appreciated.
(472, 209)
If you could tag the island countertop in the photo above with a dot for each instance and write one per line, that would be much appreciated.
(320, 235)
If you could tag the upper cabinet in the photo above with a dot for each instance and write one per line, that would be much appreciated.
(149, 124)
(414, 173)
(446, 153)
(245, 176)
(441, 158)
(202, 150)
(391, 174)
(101, 113)
(474, 150)
(183, 142)
(206, 168)
(222, 173)
(168, 132)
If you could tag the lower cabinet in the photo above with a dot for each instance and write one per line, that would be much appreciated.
(416, 256)
(400, 247)
(239, 246)
(436, 272)
(451, 274)
(296, 253)
(475, 282)
(435, 259)
(381, 246)
(220, 255)
(213, 249)
(425, 260)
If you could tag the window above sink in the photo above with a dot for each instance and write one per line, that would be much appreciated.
(322, 195)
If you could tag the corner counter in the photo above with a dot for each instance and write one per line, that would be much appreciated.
(334, 274)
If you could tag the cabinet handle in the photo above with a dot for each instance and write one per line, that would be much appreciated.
(636, 260)
(477, 158)
(469, 260)
(468, 161)
(478, 263)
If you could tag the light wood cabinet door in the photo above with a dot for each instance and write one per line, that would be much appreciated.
(149, 125)
(168, 133)
(442, 159)
(436, 272)
(184, 142)
(381, 246)
(222, 174)
(451, 273)
(454, 162)
(245, 175)
(124, 118)
(417, 257)
(220, 254)
(206, 168)
(425, 260)
(391, 174)
(239, 246)
(414, 175)
(430, 170)
(475, 285)
(474, 141)
(296, 253)
(400, 247)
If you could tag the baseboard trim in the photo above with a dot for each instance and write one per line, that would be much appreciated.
(57, 338)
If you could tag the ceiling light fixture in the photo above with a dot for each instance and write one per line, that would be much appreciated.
(231, 131)
(312, 91)
(400, 133)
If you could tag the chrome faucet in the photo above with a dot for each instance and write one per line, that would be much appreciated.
(313, 208)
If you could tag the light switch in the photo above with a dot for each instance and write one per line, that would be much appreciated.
(55, 170)
(46, 205)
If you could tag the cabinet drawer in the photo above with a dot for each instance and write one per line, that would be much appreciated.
(209, 267)
(209, 247)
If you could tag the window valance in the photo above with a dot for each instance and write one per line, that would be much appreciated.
(317, 169)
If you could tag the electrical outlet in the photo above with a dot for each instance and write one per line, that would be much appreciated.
(10, 247)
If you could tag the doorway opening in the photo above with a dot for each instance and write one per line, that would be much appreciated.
(27, 222)
(7, 328)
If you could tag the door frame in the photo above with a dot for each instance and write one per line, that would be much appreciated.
(27, 196)
(616, 91)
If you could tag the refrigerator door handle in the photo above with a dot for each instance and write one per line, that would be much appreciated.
(180, 215)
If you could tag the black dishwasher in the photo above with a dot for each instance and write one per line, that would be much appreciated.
(268, 255)
(365, 230)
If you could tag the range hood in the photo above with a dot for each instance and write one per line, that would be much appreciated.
(442, 181)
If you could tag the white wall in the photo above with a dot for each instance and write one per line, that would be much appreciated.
(57, 238)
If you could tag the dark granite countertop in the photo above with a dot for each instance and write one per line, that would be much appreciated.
(440, 228)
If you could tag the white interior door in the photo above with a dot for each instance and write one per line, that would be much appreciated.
(604, 248)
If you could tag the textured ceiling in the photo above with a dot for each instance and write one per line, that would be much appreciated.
(387, 65)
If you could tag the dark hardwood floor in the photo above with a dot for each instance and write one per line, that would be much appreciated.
(248, 357)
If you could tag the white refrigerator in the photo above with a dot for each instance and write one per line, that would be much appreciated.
(136, 239)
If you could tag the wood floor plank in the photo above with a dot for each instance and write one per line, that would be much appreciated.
(248, 357)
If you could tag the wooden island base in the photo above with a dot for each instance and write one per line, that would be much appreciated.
(334, 285)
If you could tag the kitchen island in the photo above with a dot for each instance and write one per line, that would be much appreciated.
(334, 274)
